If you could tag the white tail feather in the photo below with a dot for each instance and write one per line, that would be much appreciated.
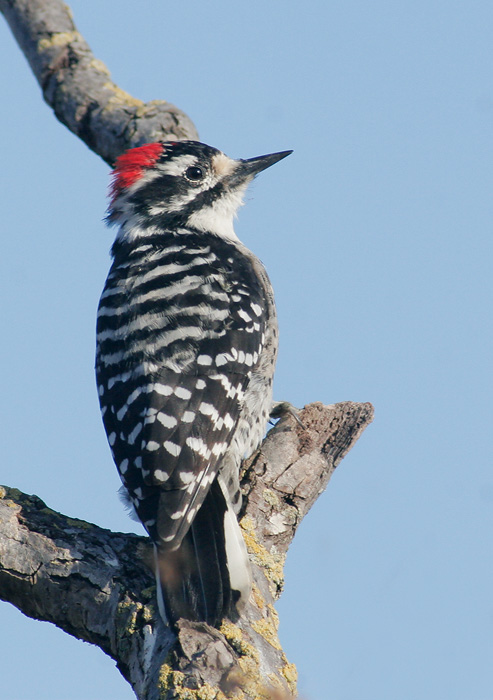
(159, 589)
(238, 563)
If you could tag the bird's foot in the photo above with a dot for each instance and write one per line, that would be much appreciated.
(280, 409)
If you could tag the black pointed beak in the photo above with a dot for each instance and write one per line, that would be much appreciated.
(247, 169)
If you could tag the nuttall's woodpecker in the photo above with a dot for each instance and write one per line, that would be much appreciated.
(186, 349)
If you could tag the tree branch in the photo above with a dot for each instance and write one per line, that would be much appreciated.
(95, 584)
(78, 86)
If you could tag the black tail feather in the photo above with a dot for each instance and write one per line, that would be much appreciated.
(195, 579)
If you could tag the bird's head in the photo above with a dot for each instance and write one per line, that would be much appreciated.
(184, 184)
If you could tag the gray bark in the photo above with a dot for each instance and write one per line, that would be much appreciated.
(97, 585)
(78, 86)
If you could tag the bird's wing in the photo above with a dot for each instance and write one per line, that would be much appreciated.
(169, 430)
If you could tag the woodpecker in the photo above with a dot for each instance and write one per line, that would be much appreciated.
(186, 349)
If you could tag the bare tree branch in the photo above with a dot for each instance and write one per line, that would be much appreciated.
(78, 86)
(94, 584)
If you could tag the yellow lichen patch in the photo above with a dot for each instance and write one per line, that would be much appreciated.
(170, 680)
(16, 499)
(120, 97)
(244, 682)
(235, 637)
(155, 103)
(275, 616)
(143, 109)
(131, 615)
(258, 598)
(254, 687)
(271, 562)
(12, 504)
(250, 676)
(148, 613)
(271, 498)
(165, 677)
(58, 39)
(277, 685)
(98, 65)
(127, 616)
(291, 675)
(268, 630)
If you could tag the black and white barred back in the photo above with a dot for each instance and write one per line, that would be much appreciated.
(186, 348)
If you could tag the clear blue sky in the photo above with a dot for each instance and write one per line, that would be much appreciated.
(377, 234)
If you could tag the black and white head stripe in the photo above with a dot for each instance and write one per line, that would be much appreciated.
(184, 184)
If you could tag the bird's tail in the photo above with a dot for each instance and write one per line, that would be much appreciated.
(208, 577)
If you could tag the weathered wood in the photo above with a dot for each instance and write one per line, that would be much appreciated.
(78, 86)
(95, 585)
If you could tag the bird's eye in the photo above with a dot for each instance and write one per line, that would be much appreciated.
(194, 173)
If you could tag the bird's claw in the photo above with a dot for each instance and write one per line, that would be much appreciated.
(279, 409)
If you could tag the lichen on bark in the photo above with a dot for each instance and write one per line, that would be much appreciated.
(95, 584)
